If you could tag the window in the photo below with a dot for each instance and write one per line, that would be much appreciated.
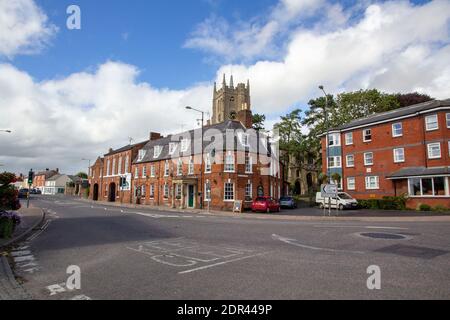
(152, 191)
(334, 140)
(166, 191)
(431, 122)
(191, 166)
(172, 147)
(368, 158)
(141, 155)
(136, 172)
(166, 169)
(367, 135)
(114, 166)
(229, 162)
(178, 189)
(372, 183)
(434, 150)
(157, 151)
(180, 167)
(447, 118)
(127, 163)
(229, 191)
(143, 190)
(351, 183)
(108, 167)
(397, 130)
(248, 163)
(207, 191)
(120, 165)
(249, 191)
(428, 187)
(334, 162)
(244, 138)
(350, 160)
(184, 145)
(399, 155)
(349, 138)
(144, 172)
(208, 163)
(338, 183)
(152, 171)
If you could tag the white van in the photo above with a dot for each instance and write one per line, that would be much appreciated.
(342, 201)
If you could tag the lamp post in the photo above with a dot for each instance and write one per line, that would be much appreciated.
(7, 131)
(201, 163)
(321, 87)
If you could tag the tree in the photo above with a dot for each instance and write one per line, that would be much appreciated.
(82, 175)
(258, 121)
(8, 194)
(408, 99)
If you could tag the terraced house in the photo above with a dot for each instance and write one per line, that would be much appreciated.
(401, 152)
(212, 166)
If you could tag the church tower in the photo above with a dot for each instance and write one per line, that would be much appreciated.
(231, 102)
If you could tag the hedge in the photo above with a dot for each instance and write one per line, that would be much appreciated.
(387, 203)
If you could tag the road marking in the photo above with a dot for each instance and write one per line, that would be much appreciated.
(35, 235)
(356, 226)
(81, 297)
(19, 253)
(294, 242)
(221, 263)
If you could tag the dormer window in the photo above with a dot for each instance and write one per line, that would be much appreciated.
(244, 138)
(172, 147)
(185, 145)
(141, 154)
(157, 151)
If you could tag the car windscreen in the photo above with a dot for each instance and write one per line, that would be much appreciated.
(285, 199)
(345, 196)
(260, 199)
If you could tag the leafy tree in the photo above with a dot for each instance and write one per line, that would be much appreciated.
(408, 99)
(82, 175)
(258, 121)
(8, 194)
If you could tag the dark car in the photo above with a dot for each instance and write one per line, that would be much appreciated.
(23, 193)
(265, 204)
(38, 191)
(33, 191)
(288, 202)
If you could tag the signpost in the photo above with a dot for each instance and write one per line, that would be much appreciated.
(237, 206)
(328, 191)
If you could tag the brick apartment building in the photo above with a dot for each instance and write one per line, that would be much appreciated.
(404, 151)
(238, 162)
(41, 177)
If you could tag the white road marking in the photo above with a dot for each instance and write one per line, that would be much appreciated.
(19, 253)
(294, 242)
(221, 263)
(44, 227)
(81, 297)
(56, 288)
(356, 226)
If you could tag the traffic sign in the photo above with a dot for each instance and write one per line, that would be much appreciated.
(329, 190)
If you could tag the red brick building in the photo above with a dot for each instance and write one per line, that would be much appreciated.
(41, 177)
(405, 151)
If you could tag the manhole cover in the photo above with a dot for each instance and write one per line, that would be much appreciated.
(413, 251)
(382, 235)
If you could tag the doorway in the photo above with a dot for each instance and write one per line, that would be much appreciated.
(95, 193)
(191, 196)
(112, 192)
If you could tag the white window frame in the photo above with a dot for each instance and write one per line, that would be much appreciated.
(248, 163)
(336, 139)
(249, 190)
(166, 191)
(152, 191)
(446, 186)
(351, 186)
(119, 166)
(136, 172)
(152, 171)
(245, 139)
(157, 151)
(369, 182)
(349, 141)
(427, 123)
(347, 164)
(207, 194)
(114, 167)
(365, 159)
(144, 172)
(429, 147)
(141, 154)
(208, 166)
(180, 167)
(127, 163)
(396, 159)
(166, 168)
(225, 198)
(394, 134)
(184, 145)
(335, 162)
(191, 166)
(364, 135)
(228, 165)
(447, 120)
(108, 167)
(172, 147)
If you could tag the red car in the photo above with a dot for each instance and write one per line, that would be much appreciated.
(265, 204)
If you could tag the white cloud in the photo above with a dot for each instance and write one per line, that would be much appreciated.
(24, 28)
(56, 123)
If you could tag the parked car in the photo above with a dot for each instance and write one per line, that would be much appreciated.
(288, 202)
(33, 191)
(342, 201)
(23, 193)
(265, 204)
(38, 191)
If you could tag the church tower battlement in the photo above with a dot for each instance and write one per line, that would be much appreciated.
(229, 101)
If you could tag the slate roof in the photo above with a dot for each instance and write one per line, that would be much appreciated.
(386, 116)
(125, 148)
(46, 173)
(55, 177)
(210, 132)
(419, 171)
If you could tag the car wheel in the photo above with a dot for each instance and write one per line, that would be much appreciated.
(321, 206)
(341, 207)
(268, 210)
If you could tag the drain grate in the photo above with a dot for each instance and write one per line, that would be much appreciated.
(413, 251)
(382, 235)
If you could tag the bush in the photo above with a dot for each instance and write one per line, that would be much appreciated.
(440, 208)
(8, 223)
(424, 207)
(387, 203)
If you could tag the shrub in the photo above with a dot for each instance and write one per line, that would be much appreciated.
(424, 207)
(387, 203)
(440, 208)
(8, 223)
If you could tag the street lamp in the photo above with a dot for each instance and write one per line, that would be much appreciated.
(328, 128)
(201, 163)
(7, 131)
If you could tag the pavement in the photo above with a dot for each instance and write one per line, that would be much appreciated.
(140, 253)
(10, 288)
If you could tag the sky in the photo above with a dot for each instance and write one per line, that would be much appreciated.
(134, 65)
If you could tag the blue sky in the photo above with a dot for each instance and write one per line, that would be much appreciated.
(135, 65)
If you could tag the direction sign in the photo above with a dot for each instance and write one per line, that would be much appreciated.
(329, 190)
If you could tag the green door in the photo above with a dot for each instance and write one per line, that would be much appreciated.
(191, 196)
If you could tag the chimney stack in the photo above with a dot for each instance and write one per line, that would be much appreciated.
(155, 136)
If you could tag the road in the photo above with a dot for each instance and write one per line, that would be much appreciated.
(143, 254)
